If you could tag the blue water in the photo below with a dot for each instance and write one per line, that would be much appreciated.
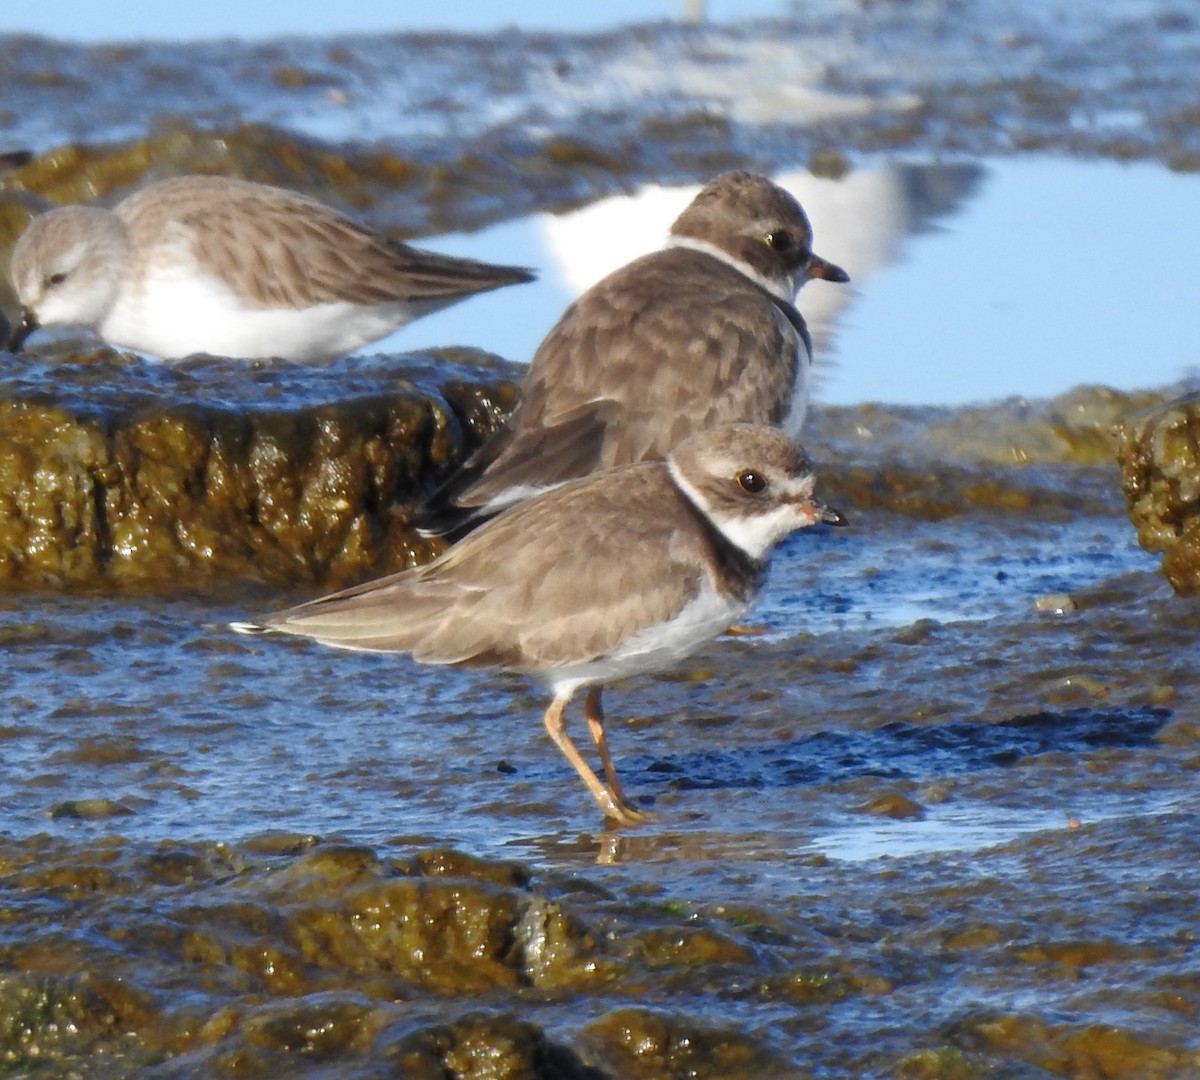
(148, 20)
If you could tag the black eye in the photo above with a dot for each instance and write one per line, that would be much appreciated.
(55, 279)
(751, 481)
(779, 241)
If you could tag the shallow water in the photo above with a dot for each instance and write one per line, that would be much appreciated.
(196, 732)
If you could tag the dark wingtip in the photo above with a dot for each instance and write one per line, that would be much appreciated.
(491, 276)
(447, 522)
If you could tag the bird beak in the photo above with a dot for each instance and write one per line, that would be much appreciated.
(827, 515)
(22, 330)
(826, 271)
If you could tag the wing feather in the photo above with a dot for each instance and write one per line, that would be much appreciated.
(565, 577)
(278, 248)
(669, 345)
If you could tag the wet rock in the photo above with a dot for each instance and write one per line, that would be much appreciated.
(487, 1048)
(319, 1025)
(893, 804)
(1055, 604)
(1083, 1051)
(943, 1064)
(1077, 954)
(445, 936)
(1074, 427)
(449, 863)
(127, 474)
(47, 1019)
(1009, 457)
(326, 869)
(1160, 475)
(642, 1043)
(89, 809)
(235, 960)
(668, 948)
(559, 950)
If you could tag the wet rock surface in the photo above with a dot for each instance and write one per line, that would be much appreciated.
(118, 473)
(288, 955)
(986, 871)
(1160, 474)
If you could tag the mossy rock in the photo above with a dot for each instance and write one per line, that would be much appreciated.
(119, 473)
(1159, 453)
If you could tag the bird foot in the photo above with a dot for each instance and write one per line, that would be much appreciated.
(746, 630)
(623, 812)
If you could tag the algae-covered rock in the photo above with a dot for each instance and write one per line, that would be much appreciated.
(1085, 1050)
(644, 1044)
(45, 1018)
(119, 473)
(938, 462)
(80, 173)
(1159, 454)
(274, 957)
(487, 1048)
(1075, 427)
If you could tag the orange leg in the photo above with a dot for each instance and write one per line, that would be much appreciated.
(612, 803)
(593, 711)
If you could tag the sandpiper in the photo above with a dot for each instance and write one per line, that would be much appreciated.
(700, 333)
(208, 264)
(620, 573)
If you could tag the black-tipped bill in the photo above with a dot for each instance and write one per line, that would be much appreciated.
(827, 515)
(22, 330)
(826, 271)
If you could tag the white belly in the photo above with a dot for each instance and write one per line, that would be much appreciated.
(179, 314)
(657, 647)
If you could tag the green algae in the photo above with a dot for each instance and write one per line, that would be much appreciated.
(644, 1044)
(115, 473)
(76, 172)
(120, 474)
(234, 962)
(1160, 475)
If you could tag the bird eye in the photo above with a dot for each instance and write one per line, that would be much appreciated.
(55, 279)
(779, 241)
(750, 481)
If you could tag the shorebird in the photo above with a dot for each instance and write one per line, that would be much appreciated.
(620, 573)
(208, 264)
(700, 333)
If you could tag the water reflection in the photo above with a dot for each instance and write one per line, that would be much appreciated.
(969, 284)
(860, 222)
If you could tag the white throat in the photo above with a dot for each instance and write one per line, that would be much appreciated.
(785, 290)
(755, 534)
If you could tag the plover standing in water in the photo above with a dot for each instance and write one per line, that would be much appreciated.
(208, 264)
(620, 573)
(701, 333)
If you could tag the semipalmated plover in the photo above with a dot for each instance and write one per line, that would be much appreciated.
(620, 573)
(700, 333)
(208, 264)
